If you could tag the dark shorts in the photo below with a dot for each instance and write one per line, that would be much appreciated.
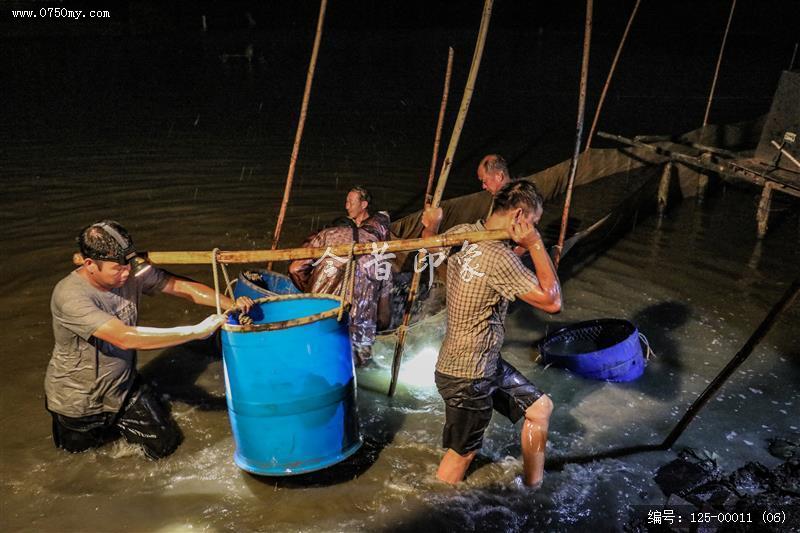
(143, 420)
(469, 404)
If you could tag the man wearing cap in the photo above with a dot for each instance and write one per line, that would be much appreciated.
(92, 388)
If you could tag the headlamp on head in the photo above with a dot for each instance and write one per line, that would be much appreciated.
(127, 255)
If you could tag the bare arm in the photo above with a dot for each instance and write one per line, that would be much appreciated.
(202, 294)
(127, 337)
(300, 272)
(547, 296)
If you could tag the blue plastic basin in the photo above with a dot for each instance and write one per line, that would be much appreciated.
(606, 349)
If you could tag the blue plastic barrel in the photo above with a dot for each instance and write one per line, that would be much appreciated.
(606, 349)
(259, 283)
(290, 386)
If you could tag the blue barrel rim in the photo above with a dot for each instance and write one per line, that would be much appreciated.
(250, 284)
(244, 278)
(338, 312)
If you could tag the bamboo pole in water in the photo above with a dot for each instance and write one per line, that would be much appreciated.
(719, 62)
(573, 167)
(287, 191)
(610, 75)
(290, 254)
(439, 123)
(415, 279)
(761, 331)
(786, 301)
(465, 100)
(469, 88)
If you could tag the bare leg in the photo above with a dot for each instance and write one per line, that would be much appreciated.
(534, 440)
(454, 466)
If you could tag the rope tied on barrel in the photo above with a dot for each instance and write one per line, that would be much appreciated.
(214, 272)
(244, 319)
(348, 282)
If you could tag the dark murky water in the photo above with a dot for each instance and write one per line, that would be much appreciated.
(191, 153)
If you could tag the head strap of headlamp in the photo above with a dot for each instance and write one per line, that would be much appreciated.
(128, 251)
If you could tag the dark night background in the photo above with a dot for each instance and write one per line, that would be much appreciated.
(675, 17)
(149, 69)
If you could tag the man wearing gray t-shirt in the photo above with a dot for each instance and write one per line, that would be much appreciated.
(92, 389)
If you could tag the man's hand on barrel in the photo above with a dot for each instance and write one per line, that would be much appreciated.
(243, 304)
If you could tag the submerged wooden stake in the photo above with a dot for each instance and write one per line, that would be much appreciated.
(663, 188)
(437, 196)
(703, 179)
(702, 186)
(762, 215)
(287, 191)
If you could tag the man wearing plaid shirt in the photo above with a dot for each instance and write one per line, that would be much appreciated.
(470, 374)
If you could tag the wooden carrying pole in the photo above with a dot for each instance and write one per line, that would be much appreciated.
(340, 250)
(610, 75)
(287, 191)
(719, 62)
(469, 88)
(573, 166)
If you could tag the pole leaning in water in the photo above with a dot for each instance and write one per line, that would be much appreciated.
(719, 62)
(415, 279)
(300, 125)
(573, 166)
(469, 88)
(783, 304)
(438, 136)
(787, 299)
(610, 75)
